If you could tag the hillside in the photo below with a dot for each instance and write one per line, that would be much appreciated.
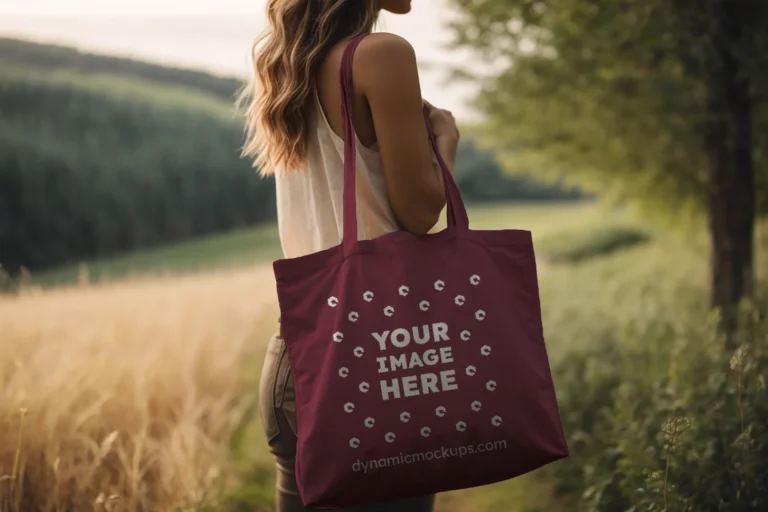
(96, 162)
(48, 57)
(103, 155)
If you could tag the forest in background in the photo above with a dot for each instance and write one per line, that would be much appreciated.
(103, 155)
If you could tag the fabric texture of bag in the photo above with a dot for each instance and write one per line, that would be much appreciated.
(419, 363)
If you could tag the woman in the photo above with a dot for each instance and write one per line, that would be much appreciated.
(294, 131)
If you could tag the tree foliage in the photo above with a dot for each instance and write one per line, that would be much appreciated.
(481, 178)
(612, 94)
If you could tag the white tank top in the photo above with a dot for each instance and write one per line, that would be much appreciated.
(309, 200)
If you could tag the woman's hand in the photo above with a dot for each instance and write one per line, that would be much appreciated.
(443, 122)
(446, 135)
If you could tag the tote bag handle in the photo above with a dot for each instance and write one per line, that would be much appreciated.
(456, 214)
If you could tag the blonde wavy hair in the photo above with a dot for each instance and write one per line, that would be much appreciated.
(285, 62)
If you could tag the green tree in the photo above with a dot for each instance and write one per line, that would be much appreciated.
(658, 101)
(481, 179)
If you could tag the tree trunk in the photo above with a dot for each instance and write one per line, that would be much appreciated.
(731, 168)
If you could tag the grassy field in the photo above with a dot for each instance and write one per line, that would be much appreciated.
(259, 245)
(122, 396)
(238, 249)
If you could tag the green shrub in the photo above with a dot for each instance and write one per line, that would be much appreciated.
(576, 246)
(7, 283)
(667, 417)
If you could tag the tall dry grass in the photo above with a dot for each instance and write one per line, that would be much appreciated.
(123, 397)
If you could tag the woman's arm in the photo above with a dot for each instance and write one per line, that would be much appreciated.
(385, 72)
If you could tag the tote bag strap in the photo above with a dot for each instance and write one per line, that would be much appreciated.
(456, 214)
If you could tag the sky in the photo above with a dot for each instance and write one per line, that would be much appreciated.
(216, 35)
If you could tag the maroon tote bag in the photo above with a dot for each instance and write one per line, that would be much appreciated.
(419, 362)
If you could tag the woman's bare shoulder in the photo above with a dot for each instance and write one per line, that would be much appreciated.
(385, 42)
(385, 59)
